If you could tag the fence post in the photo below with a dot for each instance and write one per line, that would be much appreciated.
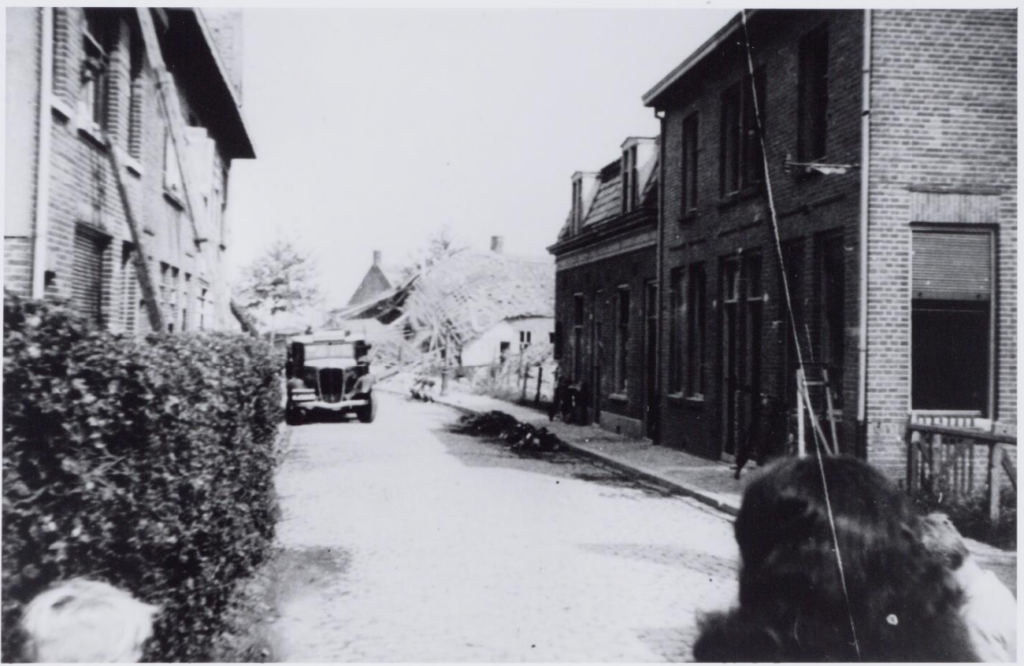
(540, 377)
(994, 464)
(801, 444)
(526, 378)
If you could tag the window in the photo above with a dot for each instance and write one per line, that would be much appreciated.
(556, 340)
(833, 302)
(753, 156)
(622, 342)
(952, 321)
(525, 338)
(87, 286)
(677, 317)
(503, 352)
(812, 97)
(690, 164)
(129, 288)
(630, 190)
(697, 304)
(742, 164)
(730, 150)
(577, 336)
(203, 290)
(97, 40)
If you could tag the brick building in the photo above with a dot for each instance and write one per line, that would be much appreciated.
(896, 215)
(80, 83)
(606, 290)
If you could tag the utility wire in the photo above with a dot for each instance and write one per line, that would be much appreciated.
(796, 335)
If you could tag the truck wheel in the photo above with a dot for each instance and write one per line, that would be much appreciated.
(292, 415)
(368, 413)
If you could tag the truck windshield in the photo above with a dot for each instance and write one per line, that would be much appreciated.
(330, 350)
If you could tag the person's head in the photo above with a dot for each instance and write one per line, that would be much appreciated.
(86, 621)
(792, 599)
(941, 537)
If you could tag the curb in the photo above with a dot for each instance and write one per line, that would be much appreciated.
(673, 486)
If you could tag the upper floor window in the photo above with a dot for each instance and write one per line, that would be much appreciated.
(690, 163)
(97, 43)
(812, 109)
(741, 160)
(630, 189)
(136, 92)
(172, 169)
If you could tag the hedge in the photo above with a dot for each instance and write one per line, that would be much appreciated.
(147, 463)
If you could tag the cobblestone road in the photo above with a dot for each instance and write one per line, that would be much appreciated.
(411, 543)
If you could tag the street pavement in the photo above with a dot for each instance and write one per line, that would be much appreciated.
(408, 542)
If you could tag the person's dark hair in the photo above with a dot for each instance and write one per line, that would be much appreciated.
(902, 601)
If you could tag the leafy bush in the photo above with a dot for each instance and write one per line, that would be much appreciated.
(969, 514)
(145, 463)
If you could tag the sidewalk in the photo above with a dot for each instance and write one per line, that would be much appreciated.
(707, 481)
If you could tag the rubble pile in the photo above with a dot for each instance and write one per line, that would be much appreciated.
(522, 438)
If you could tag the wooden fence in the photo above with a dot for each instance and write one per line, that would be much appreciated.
(945, 459)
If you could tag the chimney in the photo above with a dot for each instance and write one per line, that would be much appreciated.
(497, 244)
(376, 257)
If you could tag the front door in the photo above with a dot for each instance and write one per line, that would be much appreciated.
(597, 352)
(650, 359)
(742, 304)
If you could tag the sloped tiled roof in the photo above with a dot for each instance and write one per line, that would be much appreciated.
(475, 290)
(608, 200)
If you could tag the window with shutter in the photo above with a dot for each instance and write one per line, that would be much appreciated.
(87, 284)
(951, 326)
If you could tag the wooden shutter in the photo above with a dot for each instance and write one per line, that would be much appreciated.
(952, 265)
(87, 282)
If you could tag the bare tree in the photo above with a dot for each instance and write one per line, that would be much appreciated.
(283, 280)
(440, 245)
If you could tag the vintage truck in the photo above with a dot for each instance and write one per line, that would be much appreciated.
(328, 372)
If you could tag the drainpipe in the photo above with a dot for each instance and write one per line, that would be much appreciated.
(42, 212)
(660, 115)
(865, 172)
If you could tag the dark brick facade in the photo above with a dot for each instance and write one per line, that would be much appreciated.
(605, 294)
(943, 138)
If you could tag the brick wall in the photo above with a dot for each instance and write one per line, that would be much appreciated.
(84, 191)
(810, 207)
(598, 281)
(943, 124)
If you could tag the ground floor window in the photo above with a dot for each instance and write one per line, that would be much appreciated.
(87, 283)
(676, 319)
(833, 308)
(622, 342)
(952, 329)
(697, 310)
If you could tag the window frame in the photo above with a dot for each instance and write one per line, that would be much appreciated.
(812, 109)
(623, 306)
(696, 331)
(689, 151)
(677, 326)
(990, 407)
(94, 73)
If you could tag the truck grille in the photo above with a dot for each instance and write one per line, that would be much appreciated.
(332, 384)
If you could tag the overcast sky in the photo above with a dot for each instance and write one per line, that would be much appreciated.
(374, 128)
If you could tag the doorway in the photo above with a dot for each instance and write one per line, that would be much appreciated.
(650, 359)
(742, 313)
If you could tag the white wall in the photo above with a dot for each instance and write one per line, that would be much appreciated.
(486, 348)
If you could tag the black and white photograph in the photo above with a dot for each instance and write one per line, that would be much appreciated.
(495, 332)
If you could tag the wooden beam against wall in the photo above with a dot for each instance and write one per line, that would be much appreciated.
(142, 265)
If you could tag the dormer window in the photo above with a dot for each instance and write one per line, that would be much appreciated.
(577, 205)
(630, 179)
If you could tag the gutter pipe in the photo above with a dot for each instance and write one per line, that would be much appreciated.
(865, 173)
(42, 203)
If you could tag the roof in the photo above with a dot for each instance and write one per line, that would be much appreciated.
(468, 292)
(724, 33)
(192, 50)
(607, 201)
